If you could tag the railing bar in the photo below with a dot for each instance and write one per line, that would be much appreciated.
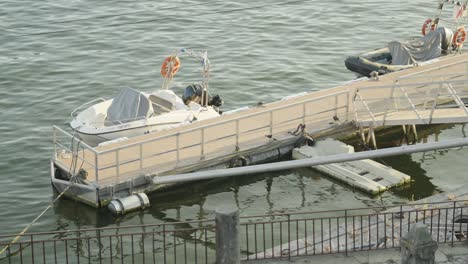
(393, 230)
(175, 246)
(338, 233)
(9, 255)
(362, 234)
(153, 249)
(305, 237)
(438, 226)
(446, 227)
(369, 232)
(110, 250)
(121, 250)
(255, 241)
(289, 237)
(281, 238)
(195, 248)
(32, 248)
(264, 241)
(55, 251)
(321, 230)
(206, 246)
(354, 233)
(66, 250)
(43, 253)
(297, 236)
(89, 250)
(247, 238)
(164, 243)
(21, 252)
(346, 232)
(185, 251)
(453, 222)
(329, 235)
(272, 241)
(133, 250)
(143, 246)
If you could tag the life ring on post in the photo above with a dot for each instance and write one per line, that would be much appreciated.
(426, 23)
(459, 37)
(170, 66)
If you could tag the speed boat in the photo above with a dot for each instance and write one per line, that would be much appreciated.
(132, 113)
(400, 55)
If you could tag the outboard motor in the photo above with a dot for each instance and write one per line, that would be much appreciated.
(194, 92)
(446, 38)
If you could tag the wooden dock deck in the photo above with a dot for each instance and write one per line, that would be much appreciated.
(224, 139)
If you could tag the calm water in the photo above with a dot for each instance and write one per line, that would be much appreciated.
(56, 55)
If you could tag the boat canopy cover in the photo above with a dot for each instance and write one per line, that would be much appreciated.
(426, 48)
(128, 105)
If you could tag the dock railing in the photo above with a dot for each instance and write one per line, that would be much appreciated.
(76, 153)
(189, 146)
(272, 236)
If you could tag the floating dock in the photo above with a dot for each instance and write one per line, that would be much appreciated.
(432, 93)
(366, 175)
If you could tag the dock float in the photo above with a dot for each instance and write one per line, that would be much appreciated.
(366, 175)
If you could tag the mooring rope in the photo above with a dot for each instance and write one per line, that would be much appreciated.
(72, 181)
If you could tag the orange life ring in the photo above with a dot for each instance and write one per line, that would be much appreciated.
(426, 23)
(458, 40)
(172, 64)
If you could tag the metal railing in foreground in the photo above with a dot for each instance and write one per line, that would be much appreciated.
(262, 237)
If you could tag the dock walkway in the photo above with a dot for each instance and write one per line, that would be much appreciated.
(228, 139)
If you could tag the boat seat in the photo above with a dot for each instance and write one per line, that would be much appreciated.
(160, 105)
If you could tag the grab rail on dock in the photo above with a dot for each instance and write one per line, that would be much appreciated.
(270, 236)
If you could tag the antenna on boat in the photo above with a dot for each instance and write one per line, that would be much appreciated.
(206, 75)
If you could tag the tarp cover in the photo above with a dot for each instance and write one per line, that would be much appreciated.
(426, 48)
(128, 105)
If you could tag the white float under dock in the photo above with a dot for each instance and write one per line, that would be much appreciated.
(366, 175)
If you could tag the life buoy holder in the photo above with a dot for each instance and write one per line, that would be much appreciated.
(170, 65)
(426, 23)
(459, 37)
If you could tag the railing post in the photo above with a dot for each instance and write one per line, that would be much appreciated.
(117, 162)
(271, 124)
(303, 113)
(346, 232)
(96, 169)
(54, 139)
(453, 222)
(178, 147)
(237, 135)
(141, 157)
(227, 235)
(202, 154)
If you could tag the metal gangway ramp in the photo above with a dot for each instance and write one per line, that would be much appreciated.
(421, 99)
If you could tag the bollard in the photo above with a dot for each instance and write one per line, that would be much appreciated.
(417, 247)
(227, 235)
